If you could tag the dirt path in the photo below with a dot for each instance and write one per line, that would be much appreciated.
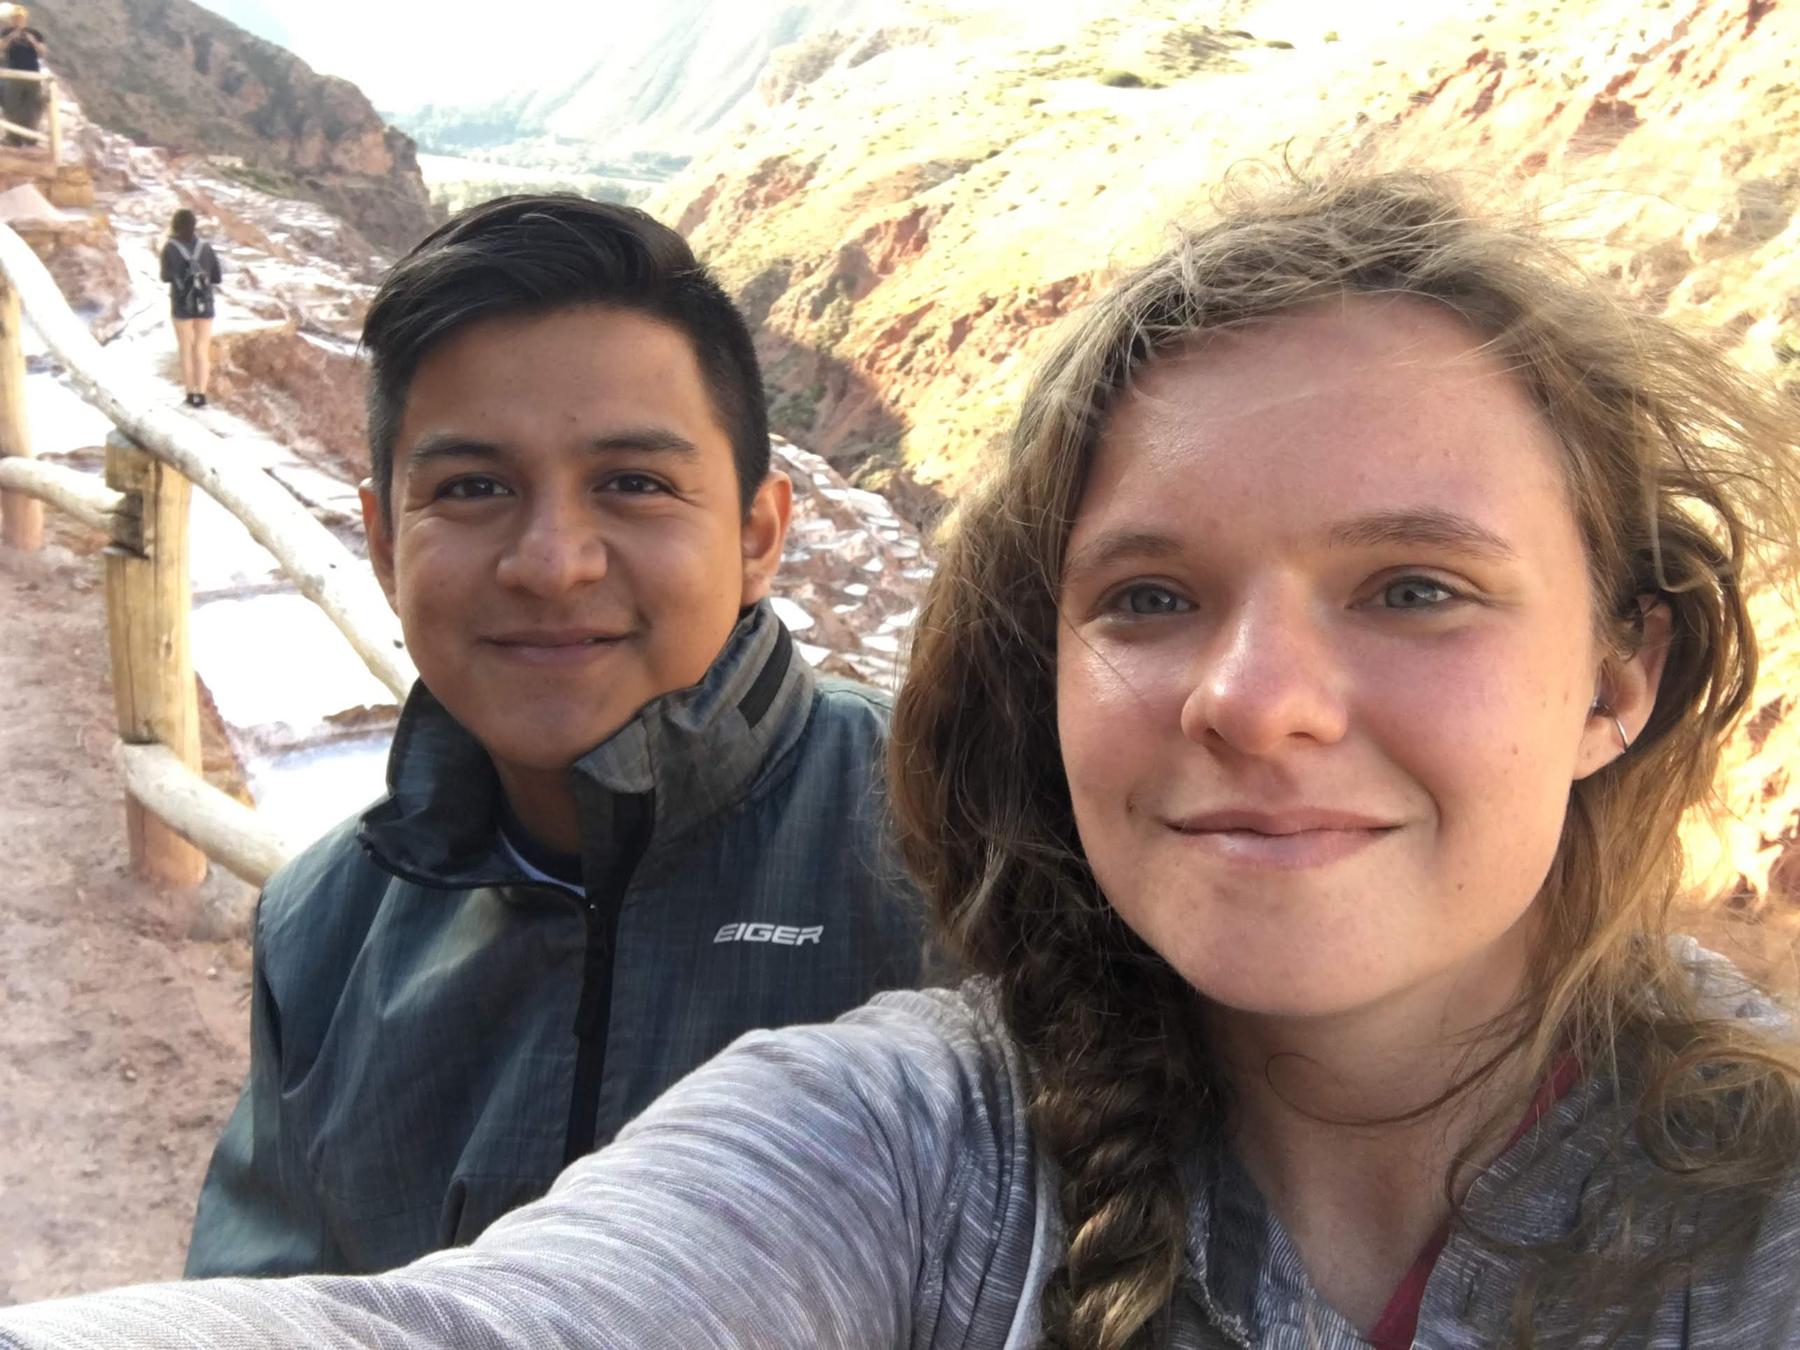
(122, 1039)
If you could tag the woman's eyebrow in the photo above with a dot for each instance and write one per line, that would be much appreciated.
(1430, 526)
(1115, 545)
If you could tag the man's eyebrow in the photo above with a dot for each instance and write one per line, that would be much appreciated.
(449, 445)
(1428, 526)
(1116, 545)
(644, 438)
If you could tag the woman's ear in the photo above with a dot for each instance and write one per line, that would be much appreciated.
(1625, 691)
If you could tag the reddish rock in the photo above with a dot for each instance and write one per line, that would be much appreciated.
(177, 75)
(303, 393)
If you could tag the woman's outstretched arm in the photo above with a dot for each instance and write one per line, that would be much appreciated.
(807, 1188)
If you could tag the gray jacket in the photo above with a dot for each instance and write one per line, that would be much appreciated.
(434, 1037)
(873, 1184)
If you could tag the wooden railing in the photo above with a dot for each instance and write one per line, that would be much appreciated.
(51, 136)
(175, 820)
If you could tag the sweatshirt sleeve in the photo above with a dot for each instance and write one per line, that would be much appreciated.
(1752, 1301)
(806, 1188)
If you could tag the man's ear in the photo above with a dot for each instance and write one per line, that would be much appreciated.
(1626, 691)
(380, 532)
(765, 534)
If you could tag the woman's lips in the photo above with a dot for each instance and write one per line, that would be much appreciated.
(1286, 840)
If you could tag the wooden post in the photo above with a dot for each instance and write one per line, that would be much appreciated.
(55, 121)
(147, 602)
(21, 517)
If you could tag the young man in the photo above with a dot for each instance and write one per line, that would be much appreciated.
(625, 822)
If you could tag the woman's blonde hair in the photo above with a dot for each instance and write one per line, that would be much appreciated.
(1683, 479)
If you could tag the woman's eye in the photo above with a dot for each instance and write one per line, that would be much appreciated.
(470, 489)
(1415, 593)
(1146, 600)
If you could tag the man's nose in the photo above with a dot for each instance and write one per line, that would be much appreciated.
(559, 547)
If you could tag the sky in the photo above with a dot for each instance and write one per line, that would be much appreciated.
(467, 53)
(404, 53)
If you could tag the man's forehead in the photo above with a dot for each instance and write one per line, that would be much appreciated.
(585, 376)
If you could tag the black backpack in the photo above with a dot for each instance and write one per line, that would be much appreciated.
(193, 286)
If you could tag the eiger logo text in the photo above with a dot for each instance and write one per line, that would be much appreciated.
(780, 934)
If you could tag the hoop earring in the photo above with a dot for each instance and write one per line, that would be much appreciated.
(1606, 712)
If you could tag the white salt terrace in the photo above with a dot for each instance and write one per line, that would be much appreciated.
(276, 668)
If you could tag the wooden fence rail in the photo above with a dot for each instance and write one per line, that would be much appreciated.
(51, 136)
(174, 818)
(78, 494)
(226, 830)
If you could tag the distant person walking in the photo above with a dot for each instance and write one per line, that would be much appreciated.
(22, 48)
(191, 268)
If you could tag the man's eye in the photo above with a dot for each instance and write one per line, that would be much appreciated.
(1415, 593)
(633, 484)
(470, 489)
(1146, 600)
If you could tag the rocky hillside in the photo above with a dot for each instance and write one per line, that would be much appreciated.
(169, 73)
(916, 204)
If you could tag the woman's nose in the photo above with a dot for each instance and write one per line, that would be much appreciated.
(1268, 680)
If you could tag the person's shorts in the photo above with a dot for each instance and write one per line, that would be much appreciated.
(22, 102)
(181, 309)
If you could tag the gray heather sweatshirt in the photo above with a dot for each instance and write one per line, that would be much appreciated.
(871, 1183)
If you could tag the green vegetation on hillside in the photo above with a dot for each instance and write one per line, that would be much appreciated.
(456, 196)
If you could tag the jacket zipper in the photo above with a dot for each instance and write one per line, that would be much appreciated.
(632, 819)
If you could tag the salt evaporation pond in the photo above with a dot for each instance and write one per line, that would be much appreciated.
(293, 695)
(311, 789)
(277, 669)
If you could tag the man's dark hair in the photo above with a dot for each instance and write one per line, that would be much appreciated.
(541, 253)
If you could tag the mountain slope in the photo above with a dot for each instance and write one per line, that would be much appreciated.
(167, 72)
(661, 77)
(917, 203)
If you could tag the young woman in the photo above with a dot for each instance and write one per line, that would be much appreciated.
(1294, 743)
(191, 269)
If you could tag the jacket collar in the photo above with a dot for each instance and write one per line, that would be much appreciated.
(684, 759)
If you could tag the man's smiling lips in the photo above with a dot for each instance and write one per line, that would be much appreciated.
(1288, 840)
(555, 646)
